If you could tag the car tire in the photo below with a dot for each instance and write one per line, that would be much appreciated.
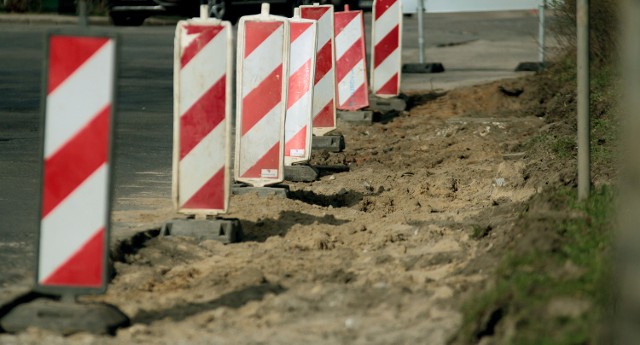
(127, 18)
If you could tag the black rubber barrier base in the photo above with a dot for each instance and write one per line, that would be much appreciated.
(433, 67)
(65, 317)
(331, 143)
(218, 229)
(300, 173)
(530, 67)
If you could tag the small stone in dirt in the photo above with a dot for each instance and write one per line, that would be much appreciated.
(363, 228)
(332, 177)
(500, 182)
(568, 307)
(342, 191)
(350, 322)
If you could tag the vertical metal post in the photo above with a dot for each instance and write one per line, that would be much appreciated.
(584, 150)
(420, 31)
(82, 13)
(541, 8)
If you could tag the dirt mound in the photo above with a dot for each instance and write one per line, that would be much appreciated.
(384, 253)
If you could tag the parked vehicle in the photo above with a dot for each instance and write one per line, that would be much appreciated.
(134, 12)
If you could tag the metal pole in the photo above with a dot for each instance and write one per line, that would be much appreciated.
(584, 159)
(82, 13)
(541, 31)
(420, 31)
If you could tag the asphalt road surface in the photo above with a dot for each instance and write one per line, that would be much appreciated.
(473, 47)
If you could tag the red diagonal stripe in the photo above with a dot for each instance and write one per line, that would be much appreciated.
(83, 154)
(298, 29)
(358, 100)
(299, 83)
(382, 6)
(84, 268)
(67, 54)
(297, 142)
(386, 46)
(262, 99)
(342, 19)
(313, 13)
(270, 160)
(351, 57)
(324, 61)
(202, 117)
(205, 34)
(390, 87)
(256, 33)
(325, 116)
(210, 195)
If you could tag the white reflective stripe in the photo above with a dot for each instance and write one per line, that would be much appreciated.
(323, 92)
(387, 69)
(202, 71)
(351, 33)
(389, 20)
(351, 82)
(204, 161)
(325, 29)
(70, 225)
(262, 61)
(301, 50)
(298, 116)
(79, 98)
(260, 139)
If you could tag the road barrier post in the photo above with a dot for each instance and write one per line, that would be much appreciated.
(299, 116)
(351, 71)
(203, 68)
(324, 103)
(73, 244)
(386, 51)
(262, 76)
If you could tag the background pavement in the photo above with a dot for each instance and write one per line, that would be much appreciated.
(473, 48)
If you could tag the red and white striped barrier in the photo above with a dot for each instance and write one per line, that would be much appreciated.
(351, 73)
(386, 55)
(76, 170)
(263, 57)
(202, 115)
(302, 61)
(324, 90)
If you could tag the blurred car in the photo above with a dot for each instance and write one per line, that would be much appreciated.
(134, 12)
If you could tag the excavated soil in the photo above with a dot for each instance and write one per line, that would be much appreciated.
(383, 254)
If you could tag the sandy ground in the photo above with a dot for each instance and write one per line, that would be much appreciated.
(383, 254)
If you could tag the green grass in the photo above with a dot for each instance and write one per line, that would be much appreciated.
(528, 279)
